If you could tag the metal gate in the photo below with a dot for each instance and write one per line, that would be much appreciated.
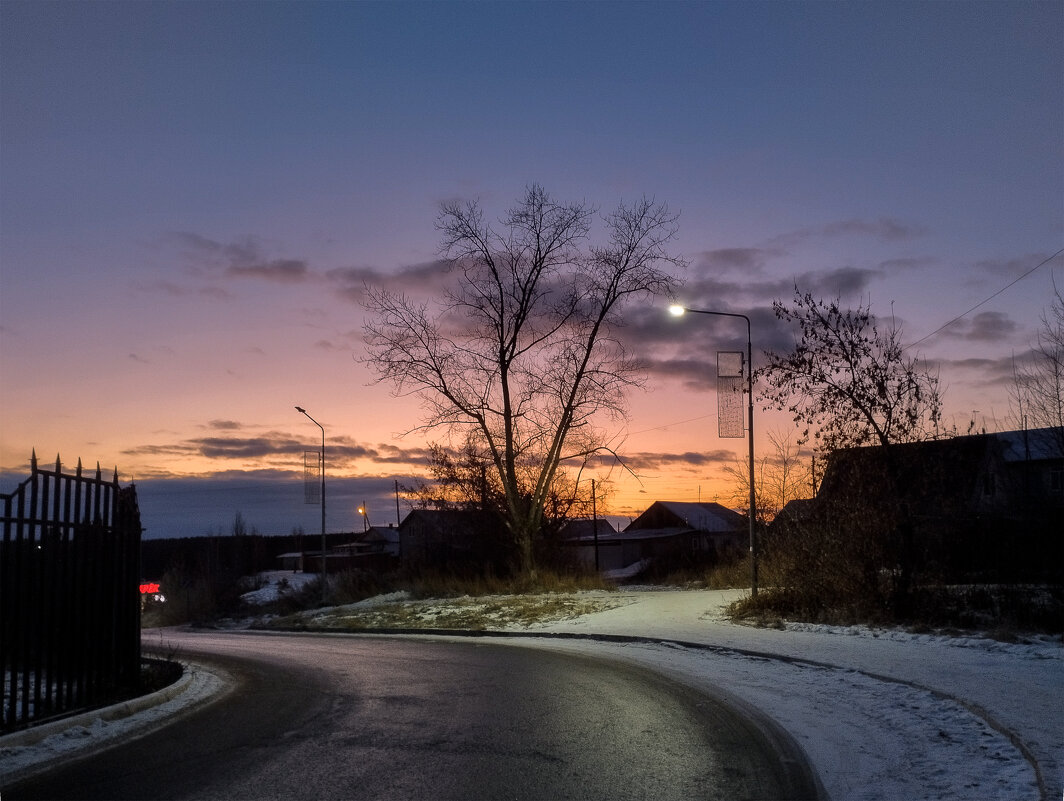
(69, 596)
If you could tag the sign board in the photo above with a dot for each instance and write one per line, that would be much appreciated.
(730, 394)
(312, 477)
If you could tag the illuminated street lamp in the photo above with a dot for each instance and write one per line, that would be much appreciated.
(677, 311)
(303, 411)
(362, 510)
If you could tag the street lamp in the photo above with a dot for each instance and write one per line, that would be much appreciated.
(677, 311)
(303, 411)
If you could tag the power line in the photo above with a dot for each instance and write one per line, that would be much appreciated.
(669, 425)
(984, 302)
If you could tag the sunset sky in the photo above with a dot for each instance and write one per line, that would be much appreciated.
(193, 196)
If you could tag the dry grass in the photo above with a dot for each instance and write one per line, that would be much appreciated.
(467, 613)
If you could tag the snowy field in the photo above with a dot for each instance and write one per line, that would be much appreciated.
(881, 714)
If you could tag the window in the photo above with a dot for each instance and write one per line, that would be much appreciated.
(989, 485)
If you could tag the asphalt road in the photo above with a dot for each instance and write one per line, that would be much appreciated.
(321, 717)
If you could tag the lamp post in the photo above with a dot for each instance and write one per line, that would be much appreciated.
(678, 311)
(303, 411)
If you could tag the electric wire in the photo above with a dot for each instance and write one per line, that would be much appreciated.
(984, 302)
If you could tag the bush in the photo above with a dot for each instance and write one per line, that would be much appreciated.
(430, 584)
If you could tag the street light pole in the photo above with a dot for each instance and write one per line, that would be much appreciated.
(303, 411)
(677, 311)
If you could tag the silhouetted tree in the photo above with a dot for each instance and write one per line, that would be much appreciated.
(849, 383)
(846, 382)
(780, 476)
(521, 353)
(1038, 387)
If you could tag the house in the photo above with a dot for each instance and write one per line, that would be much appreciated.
(705, 518)
(453, 539)
(668, 529)
(980, 507)
(378, 540)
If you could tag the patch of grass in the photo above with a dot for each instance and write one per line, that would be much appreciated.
(1000, 611)
(465, 613)
(447, 585)
(728, 575)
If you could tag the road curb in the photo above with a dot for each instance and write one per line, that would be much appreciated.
(123, 709)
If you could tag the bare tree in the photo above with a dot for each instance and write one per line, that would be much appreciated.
(780, 477)
(521, 353)
(846, 381)
(1037, 392)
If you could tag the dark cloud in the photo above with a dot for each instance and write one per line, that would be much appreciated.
(240, 259)
(983, 327)
(1010, 268)
(282, 270)
(651, 461)
(340, 451)
(416, 279)
(745, 260)
(984, 371)
(225, 425)
(894, 266)
(885, 229)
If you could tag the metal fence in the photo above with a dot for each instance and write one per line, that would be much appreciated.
(69, 595)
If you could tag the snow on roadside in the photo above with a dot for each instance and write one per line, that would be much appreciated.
(104, 727)
(882, 714)
(275, 584)
(867, 739)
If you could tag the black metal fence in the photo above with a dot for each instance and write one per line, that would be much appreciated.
(69, 594)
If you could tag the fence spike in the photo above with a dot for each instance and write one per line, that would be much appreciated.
(58, 465)
(116, 475)
(33, 460)
(99, 473)
(79, 467)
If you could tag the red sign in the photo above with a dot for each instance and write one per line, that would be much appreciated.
(149, 589)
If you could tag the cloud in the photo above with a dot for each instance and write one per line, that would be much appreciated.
(884, 229)
(282, 270)
(241, 259)
(225, 425)
(746, 261)
(984, 372)
(174, 290)
(653, 461)
(415, 279)
(341, 452)
(988, 326)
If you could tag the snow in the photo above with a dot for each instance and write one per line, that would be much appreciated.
(880, 713)
(30, 751)
(276, 583)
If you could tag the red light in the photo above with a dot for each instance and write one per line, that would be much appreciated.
(149, 589)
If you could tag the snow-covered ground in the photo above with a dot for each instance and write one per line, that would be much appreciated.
(882, 714)
(276, 583)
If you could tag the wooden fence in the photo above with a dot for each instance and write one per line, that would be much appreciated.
(69, 595)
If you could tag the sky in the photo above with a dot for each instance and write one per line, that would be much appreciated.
(194, 196)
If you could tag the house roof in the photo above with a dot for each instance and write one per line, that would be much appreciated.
(632, 535)
(577, 529)
(1036, 444)
(379, 534)
(697, 516)
(457, 521)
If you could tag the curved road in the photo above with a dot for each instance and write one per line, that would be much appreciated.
(322, 717)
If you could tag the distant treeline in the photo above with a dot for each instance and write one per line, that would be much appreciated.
(228, 555)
